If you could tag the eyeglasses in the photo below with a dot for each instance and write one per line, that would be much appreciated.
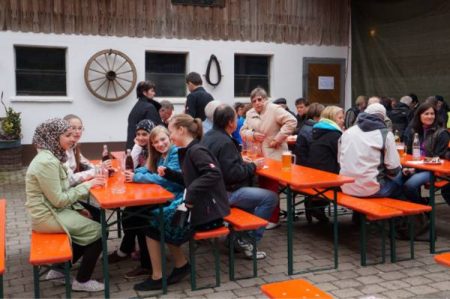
(257, 100)
(81, 129)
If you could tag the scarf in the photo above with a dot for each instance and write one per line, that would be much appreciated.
(46, 136)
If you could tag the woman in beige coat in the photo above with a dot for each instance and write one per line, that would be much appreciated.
(268, 125)
(53, 205)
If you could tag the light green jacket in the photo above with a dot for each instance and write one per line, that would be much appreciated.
(52, 204)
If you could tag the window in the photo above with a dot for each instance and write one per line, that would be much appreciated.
(250, 71)
(168, 72)
(40, 71)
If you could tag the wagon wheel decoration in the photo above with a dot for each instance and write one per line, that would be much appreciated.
(110, 75)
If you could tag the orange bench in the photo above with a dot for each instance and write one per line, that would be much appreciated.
(48, 249)
(369, 210)
(205, 235)
(294, 288)
(240, 220)
(2, 242)
(443, 259)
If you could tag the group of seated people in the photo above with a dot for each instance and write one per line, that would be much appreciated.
(207, 174)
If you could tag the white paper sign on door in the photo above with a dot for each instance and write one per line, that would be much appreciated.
(326, 82)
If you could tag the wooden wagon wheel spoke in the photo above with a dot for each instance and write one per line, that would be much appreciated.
(111, 64)
(98, 87)
(123, 79)
(114, 88)
(118, 83)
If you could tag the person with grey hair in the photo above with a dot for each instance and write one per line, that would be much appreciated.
(400, 115)
(166, 111)
(387, 120)
(378, 171)
(209, 113)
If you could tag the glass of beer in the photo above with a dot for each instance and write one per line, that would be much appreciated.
(286, 160)
(401, 149)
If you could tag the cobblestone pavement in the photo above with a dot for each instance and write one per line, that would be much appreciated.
(419, 278)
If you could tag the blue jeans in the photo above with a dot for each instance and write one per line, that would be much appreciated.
(390, 187)
(413, 184)
(257, 201)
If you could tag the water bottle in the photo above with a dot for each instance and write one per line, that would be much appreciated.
(416, 147)
(129, 165)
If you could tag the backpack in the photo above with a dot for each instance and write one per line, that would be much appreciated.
(350, 117)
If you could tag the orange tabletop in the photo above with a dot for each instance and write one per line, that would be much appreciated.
(2, 234)
(134, 195)
(444, 168)
(301, 176)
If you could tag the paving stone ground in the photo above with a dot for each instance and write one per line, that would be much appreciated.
(313, 246)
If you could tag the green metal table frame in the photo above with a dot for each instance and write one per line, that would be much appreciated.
(290, 222)
(105, 225)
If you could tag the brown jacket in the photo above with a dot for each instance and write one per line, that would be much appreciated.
(273, 121)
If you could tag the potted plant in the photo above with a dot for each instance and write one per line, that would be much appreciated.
(10, 128)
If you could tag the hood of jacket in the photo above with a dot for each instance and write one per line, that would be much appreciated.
(369, 122)
(324, 126)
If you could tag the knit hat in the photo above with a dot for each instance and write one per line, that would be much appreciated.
(376, 109)
(146, 125)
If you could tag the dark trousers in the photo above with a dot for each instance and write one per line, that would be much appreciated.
(133, 225)
(90, 253)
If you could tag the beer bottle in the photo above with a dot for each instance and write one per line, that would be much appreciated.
(129, 165)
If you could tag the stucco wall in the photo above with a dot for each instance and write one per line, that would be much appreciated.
(106, 122)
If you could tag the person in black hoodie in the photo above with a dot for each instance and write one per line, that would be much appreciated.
(205, 195)
(304, 136)
(400, 116)
(323, 150)
(145, 108)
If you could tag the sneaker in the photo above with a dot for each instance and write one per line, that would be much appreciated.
(139, 271)
(179, 273)
(259, 254)
(115, 258)
(88, 286)
(272, 225)
(56, 276)
(247, 248)
(148, 285)
(241, 245)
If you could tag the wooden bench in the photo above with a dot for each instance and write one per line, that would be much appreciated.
(205, 235)
(240, 220)
(294, 288)
(48, 249)
(2, 242)
(443, 259)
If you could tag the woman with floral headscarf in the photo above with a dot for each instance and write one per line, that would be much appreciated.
(53, 205)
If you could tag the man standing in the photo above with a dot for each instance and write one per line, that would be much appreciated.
(367, 152)
(198, 97)
(145, 108)
(166, 111)
(301, 105)
(238, 174)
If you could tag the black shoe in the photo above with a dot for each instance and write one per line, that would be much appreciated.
(148, 285)
(319, 214)
(179, 273)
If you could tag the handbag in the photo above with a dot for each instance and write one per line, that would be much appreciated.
(182, 216)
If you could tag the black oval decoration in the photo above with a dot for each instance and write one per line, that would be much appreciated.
(213, 59)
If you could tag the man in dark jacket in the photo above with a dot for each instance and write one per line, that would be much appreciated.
(145, 108)
(400, 115)
(198, 97)
(238, 174)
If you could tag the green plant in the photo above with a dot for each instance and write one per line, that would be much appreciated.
(11, 127)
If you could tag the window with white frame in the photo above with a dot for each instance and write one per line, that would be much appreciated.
(251, 71)
(40, 71)
(168, 72)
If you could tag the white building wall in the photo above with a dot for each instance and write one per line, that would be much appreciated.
(107, 121)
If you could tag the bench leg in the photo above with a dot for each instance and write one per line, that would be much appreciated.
(217, 261)
(392, 240)
(37, 293)
(255, 261)
(67, 279)
(192, 260)
(363, 240)
(383, 243)
(119, 223)
(231, 238)
(335, 230)
(1, 286)
(411, 236)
